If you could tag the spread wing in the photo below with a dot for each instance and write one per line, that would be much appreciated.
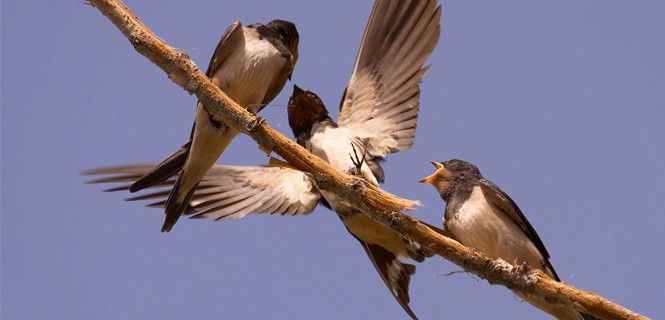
(501, 200)
(232, 38)
(227, 192)
(382, 97)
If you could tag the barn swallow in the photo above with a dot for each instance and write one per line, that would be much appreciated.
(251, 65)
(479, 215)
(378, 116)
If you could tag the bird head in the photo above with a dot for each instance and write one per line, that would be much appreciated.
(448, 173)
(304, 110)
(286, 31)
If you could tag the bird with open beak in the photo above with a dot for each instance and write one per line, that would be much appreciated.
(378, 116)
(481, 216)
(251, 65)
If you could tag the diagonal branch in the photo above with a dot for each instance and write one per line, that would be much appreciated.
(378, 204)
(181, 70)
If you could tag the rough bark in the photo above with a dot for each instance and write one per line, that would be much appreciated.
(378, 204)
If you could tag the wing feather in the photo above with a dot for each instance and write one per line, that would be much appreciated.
(382, 98)
(233, 36)
(497, 197)
(227, 192)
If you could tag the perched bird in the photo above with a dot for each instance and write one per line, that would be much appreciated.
(251, 65)
(481, 216)
(378, 116)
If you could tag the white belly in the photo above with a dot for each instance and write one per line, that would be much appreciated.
(334, 146)
(484, 227)
(247, 75)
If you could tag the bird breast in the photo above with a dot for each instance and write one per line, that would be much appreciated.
(248, 73)
(333, 144)
(484, 227)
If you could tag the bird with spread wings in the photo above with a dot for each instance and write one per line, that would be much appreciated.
(378, 116)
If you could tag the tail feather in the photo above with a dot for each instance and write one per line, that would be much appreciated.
(394, 273)
(167, 168)
(175, 207)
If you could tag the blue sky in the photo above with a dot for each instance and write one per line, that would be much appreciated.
(561, 103)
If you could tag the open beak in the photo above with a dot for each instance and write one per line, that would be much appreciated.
(436, 164)
(440, 173)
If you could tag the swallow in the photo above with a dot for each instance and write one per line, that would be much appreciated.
(378, 116)
(479, 215)
(251, 65)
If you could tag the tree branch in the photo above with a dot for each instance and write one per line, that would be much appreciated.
(376, 203)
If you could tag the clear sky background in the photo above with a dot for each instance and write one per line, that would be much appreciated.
(561, 103)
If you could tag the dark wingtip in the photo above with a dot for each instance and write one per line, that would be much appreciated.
(171, 218)
(172, 215)
(297, 89)
(167, 226)
(142, 183)
(175, 208)
(145, 181)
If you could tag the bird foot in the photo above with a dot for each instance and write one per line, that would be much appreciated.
(357, 160)
(259, 120)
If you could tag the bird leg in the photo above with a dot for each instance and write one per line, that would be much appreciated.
(357, 161)
(255, 123)
(252, 125)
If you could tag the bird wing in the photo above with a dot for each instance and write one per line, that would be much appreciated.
(233, 37)
(276, 84)
(501, 200)
(228, 192)
(382, 98)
